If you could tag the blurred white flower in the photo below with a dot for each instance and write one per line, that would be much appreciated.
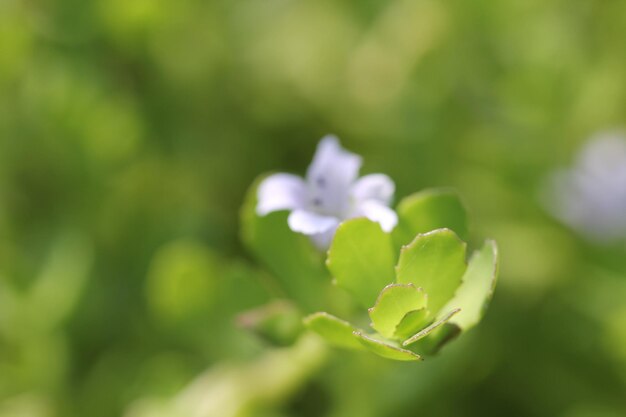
(330, 193)
(591, 196)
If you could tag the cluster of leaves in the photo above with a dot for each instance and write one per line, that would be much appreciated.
(416, 301)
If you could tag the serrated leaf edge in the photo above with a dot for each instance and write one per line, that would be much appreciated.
(494, 279)
(380, 342)
(393, 285)
(422, 235)
(428, 314)
(428, 329)
(387, 288)
(313, 316)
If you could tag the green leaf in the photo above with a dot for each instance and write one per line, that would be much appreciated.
(475, 292)
(278, 322)
(386, 350)
(335, 331)
(290, 256)
(434, 261)
(361, 259)
(427, 330)
(393, 304)
(411, 323)
(472, 298)
(428, 210)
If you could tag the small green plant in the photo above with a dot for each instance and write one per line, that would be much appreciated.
(405, 271)
(427, 299)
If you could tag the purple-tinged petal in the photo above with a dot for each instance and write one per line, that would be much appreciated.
(331, 175)
(378, 187)
(311, 223)
(281, 192)
(377, 212)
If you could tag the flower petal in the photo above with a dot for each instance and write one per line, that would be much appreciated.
(375, 211)
(311, 223)
(331, 174)
(377, 187)
(280, 192)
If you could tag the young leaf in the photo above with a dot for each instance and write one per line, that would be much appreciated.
(361, 259)
(386, 350)
(476, 291)
(434, 261)
(288, 255)
(472, 298)
(335, 331)
(428, 210)
(393, 304)
(427, 330)
(411, 323)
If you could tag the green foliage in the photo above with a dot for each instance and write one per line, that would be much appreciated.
(394, 303)
(469, 304)
(278, 322)
(476, 290)
(427, 210)
(411, 323)
(386, 349)
(434, 261)
(407, 300)
(142, 123)
(294, 262)
(434, 294)
(430, 328)
(361, 259)
(432, 288)
(335, 331)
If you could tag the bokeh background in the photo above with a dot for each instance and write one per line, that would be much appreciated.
(130, 131)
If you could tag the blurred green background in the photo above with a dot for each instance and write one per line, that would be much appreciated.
(131, 129)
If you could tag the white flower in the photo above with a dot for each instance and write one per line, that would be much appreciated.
(591, 196)
(331, 193)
